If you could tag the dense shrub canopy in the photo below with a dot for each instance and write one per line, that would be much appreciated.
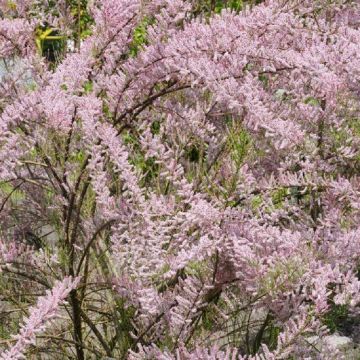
(178, 180)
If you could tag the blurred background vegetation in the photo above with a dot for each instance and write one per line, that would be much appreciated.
(53, 45)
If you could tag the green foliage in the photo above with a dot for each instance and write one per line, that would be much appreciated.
(84, 20)
(271, 336)
(8, 324)
(123, 324)
(335, 317)
(106, 110)
(196, 268)
(147, 167)
(278, 196)
(15, 194)
(256, 202)
(279, 277)
(49, 43)
(139, 36)
(264, 78)
(164, 269)
(129, 138)
(207, 6)
(239, 141)
(209, 319)
(155, 128)
(11, 4)
(232, 157)
(354, 125)
(193, 154)
(232, 4)
(312, 101)
(88, 87)
(78, 156)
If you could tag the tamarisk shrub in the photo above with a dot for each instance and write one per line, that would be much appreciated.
(195, 192)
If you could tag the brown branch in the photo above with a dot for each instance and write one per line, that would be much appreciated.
(9, 195)
(88, 245)
(96, 332)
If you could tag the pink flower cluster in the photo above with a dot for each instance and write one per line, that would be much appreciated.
(205, 187)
